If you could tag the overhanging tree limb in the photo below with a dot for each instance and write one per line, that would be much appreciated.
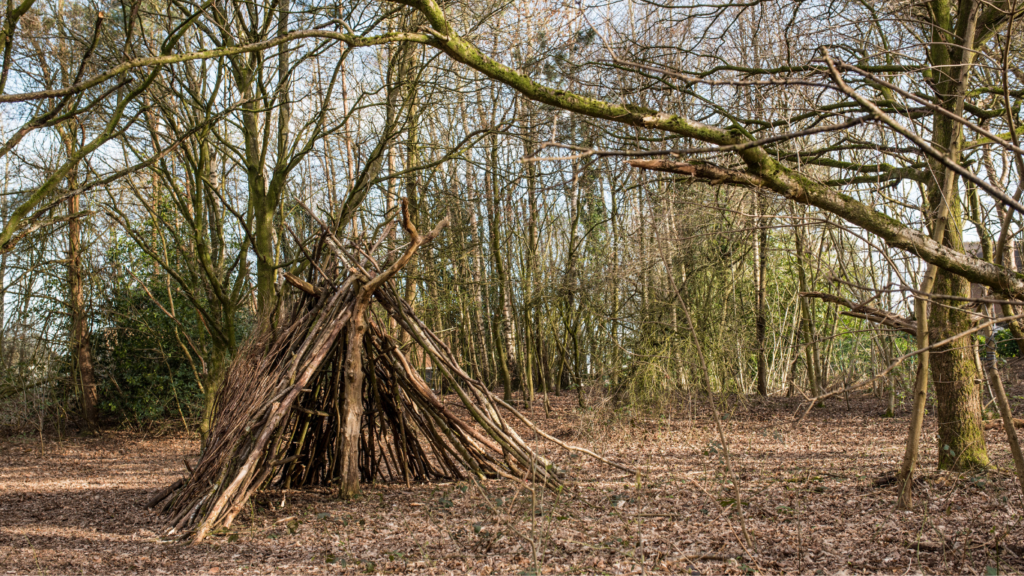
(868, 313)
(761, 169)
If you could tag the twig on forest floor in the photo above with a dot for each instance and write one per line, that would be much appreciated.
(551, 438)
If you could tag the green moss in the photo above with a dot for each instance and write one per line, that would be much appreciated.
(639, 109)
(963, 456)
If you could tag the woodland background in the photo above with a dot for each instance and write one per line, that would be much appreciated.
(148, 215)
(763, 252)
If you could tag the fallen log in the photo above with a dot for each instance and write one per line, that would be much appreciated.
(994, 424)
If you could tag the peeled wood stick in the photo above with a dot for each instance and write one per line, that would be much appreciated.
(239, 503)
(485, 395)
(419, 333)
(468, 458)
(512, 446)
(489, 422)
(300, 284)
(444, 451)
(423, 426)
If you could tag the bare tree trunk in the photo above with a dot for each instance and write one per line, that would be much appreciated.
(412, 160)
(761, 255)
(905, 499)
(216, 370)
(811, 348)
(961, 437)
(958, 399)
(996, 382)
(530, 356)
(81, 351)
(505, 330)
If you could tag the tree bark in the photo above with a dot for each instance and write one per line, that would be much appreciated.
(505, 330)
(352, 399)
(807, 323)
(80, 348)
(761, 254)
(955, 375)
(216, 369)
(954, 372)
(996, 382)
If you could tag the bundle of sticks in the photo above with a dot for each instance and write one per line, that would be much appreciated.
(325, 396)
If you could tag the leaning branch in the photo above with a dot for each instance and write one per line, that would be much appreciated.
(866, 312)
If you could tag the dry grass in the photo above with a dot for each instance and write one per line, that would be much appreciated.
(76, 507)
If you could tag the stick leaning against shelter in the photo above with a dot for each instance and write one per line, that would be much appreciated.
(328, 398)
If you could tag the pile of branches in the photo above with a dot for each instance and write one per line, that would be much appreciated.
(328, 398)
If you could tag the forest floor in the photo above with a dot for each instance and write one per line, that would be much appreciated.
(811, 504)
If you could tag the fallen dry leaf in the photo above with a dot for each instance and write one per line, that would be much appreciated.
(809, 500)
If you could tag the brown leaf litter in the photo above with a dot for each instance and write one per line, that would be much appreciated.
(814, 497)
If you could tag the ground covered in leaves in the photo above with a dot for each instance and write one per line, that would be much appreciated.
(812, 502)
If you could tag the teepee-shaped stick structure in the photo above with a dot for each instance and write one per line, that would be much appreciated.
(327, 397)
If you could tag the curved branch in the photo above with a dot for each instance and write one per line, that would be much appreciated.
(868, 313)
